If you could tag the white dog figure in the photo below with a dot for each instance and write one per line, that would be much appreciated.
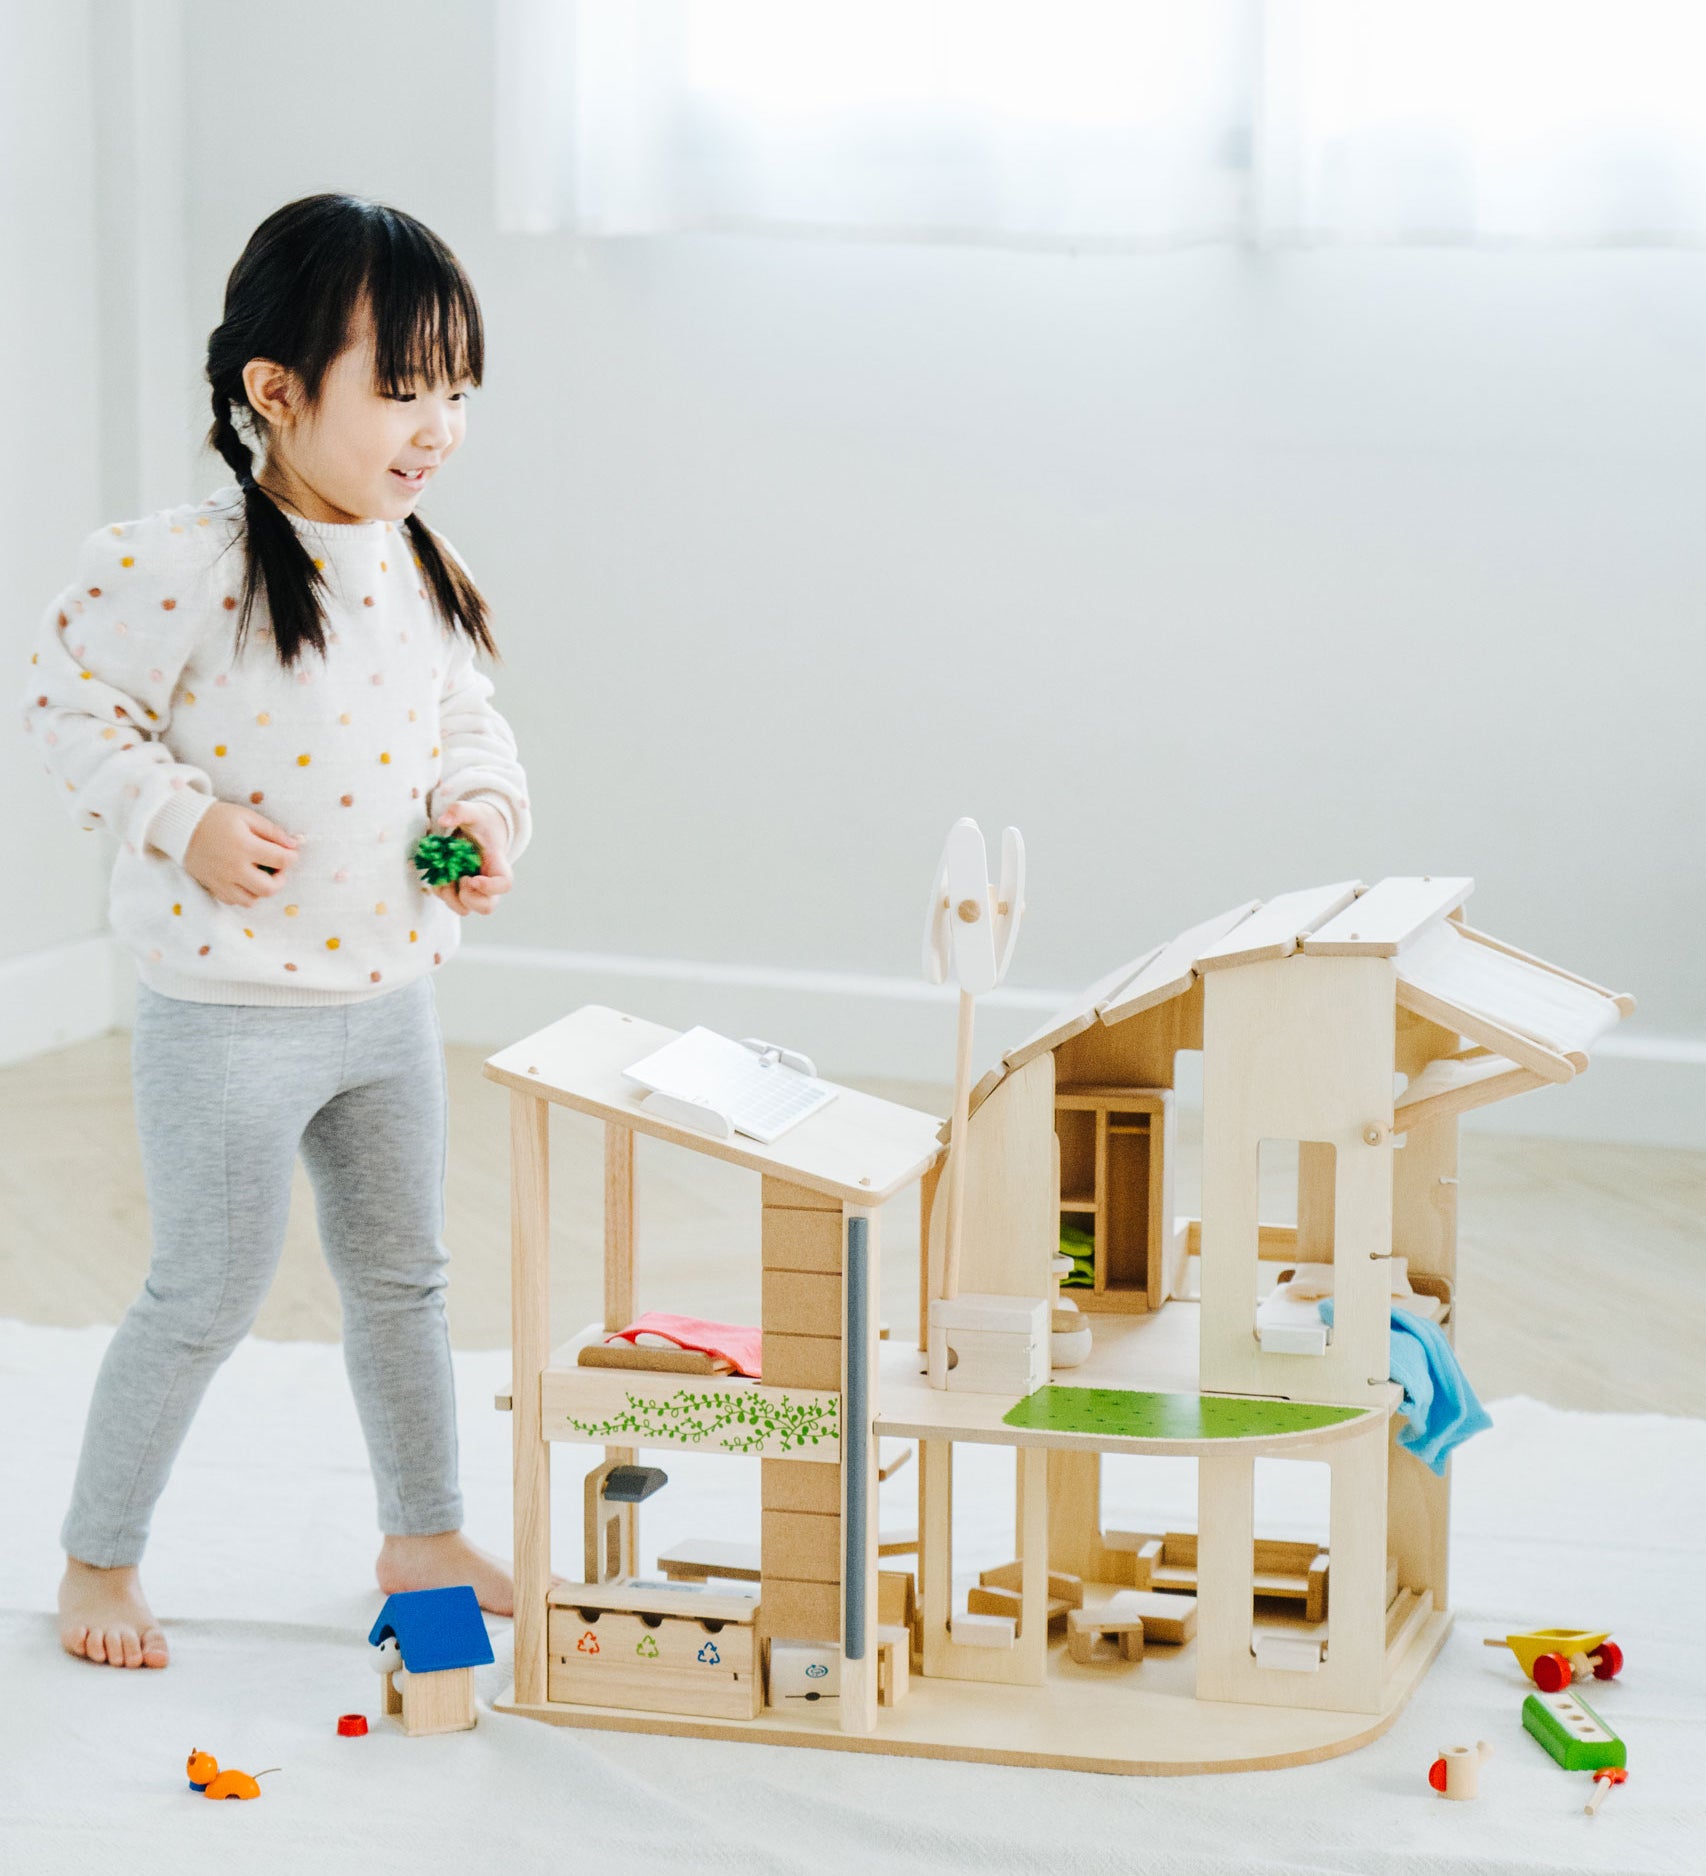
(388, 1659)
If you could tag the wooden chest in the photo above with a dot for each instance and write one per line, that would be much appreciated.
(696, 1658)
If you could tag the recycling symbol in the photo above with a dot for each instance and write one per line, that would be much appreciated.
(647, 1646)
(708, 1654)
(588, 1644)
(815, 1671)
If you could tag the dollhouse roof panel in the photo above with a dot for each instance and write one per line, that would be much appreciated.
(1532, 1015)
(1388, 916)
(1525, 1009)
(1077, 1016)
(1276, 928)
(1174, 967)
(859, 1149)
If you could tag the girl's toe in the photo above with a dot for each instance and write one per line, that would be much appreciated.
(153, 1648)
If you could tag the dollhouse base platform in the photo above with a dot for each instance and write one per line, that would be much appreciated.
(1142, 1719)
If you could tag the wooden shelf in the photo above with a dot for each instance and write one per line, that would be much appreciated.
(1115, 1153)
(714, 1413)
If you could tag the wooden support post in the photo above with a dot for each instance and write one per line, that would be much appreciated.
(1030, 1540)
(860, 1288)
(530, 1352)
(928, 1279)
(958, 1148)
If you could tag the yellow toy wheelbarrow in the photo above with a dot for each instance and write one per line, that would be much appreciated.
(1553, 1657)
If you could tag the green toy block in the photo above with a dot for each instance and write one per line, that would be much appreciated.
(442, 859)
(1572, 1732)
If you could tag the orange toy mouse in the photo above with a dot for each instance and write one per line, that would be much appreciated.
(206, 1777)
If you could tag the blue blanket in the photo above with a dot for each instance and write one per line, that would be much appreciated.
(1439, 1404)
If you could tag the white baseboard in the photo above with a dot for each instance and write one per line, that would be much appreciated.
(65, 994)
(1641, 1090)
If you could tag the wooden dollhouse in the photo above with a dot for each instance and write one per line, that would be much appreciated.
(1347, 1026)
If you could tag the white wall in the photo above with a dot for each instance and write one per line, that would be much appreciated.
(1217, 573)
(50, 475)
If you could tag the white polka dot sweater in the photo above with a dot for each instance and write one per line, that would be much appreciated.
(144, 717)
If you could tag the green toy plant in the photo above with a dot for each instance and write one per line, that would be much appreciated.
(443, 859)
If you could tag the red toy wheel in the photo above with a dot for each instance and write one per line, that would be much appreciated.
(1436, 1775)
(1551, 1672)
(1607, 1661)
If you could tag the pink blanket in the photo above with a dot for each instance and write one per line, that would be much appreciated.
(736, 1344)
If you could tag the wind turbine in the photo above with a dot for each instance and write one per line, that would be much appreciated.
(970, 929)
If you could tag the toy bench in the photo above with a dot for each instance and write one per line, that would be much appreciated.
(1293, 1572)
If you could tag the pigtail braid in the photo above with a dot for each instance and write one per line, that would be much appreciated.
(457, 600)
(274, 555)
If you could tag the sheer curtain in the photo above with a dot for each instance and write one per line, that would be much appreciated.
(1107, 123)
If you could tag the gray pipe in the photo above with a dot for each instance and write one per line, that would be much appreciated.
(856, 1439)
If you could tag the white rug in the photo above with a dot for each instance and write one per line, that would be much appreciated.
(261, 1565)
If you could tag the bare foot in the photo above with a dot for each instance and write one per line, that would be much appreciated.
(441, 1561)
(103, 1617)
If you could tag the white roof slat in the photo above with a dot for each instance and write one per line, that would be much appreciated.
(1275, 930)
(1387, 917)
(1523, 996)
(1173, 968)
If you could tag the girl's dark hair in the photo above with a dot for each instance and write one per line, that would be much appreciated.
(294, 297)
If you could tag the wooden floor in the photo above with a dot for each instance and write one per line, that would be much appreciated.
(1582, 1269)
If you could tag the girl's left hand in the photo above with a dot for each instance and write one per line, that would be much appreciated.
(478, 892)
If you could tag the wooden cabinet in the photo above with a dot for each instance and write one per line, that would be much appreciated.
(1116, 1182)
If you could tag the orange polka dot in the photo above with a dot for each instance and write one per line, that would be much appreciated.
(257, 797)
(384, 755)
(189, 696)
(373, 977)
(321, 565)
(219, 749)
(290, 967)
(344, 718)
(128, 561)
(383, 568)
(411, 716)
(229, 603)
(347, 800)
(290, 911)
(303, 761)
(435, 749)
(247, 933)
(168, 605)
(380, 908)
(204, 951)
(177, 911)
(264, 718)
(367, 599)
(94, 592)
(436, 958)
(413, 936)
(332, 944)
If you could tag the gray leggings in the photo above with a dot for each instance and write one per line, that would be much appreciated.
(226, 1096)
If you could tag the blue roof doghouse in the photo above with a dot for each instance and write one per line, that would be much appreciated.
(437, 1638)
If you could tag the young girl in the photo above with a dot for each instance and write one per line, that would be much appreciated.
(267, 788)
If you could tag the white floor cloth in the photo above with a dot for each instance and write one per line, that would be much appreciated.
(261, 1565)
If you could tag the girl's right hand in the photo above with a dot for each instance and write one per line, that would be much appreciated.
(230, 847)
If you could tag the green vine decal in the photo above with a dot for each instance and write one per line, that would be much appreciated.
(735, 1422)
